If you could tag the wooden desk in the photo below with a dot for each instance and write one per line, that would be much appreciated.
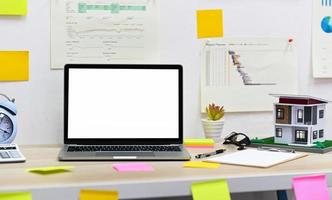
(168, 179)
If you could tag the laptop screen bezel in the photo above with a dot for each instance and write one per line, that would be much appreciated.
(123, 141)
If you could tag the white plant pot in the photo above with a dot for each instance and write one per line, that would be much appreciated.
(213, 129)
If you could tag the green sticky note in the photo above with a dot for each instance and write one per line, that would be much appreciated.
(16, 196)
(50, 170)
(211, 190)
(13, 7)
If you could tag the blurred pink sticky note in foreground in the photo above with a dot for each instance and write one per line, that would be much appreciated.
(129, 167)
(311, 187)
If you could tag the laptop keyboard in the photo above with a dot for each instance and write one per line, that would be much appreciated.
(85, 148)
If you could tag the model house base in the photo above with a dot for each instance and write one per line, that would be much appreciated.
(318, 147)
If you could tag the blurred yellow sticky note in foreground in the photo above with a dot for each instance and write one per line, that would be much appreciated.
(210, 23)
(14, 65)
(211, 190)
(50, 170)
(13, 7)
(200, 164)
(16, 196)
(98, 195)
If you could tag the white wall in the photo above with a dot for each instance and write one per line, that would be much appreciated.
(40, 100)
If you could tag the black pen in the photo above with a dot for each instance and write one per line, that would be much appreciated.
(204, 155)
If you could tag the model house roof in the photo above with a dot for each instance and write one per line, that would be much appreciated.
(299, 99)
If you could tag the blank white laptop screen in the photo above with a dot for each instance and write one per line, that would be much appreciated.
(123, 103)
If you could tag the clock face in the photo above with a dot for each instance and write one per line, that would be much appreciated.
(6, 127)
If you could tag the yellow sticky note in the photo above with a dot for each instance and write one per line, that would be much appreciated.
(211, 190)
(14, 65)
(210, 23)
(200, 164)
(98, 195)
(199, 141)
(50, 170)
(13, 7)
(16, 196)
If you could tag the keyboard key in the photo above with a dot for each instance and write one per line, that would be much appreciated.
(14, 154)
(4, 154)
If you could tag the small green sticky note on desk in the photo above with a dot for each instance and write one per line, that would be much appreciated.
(211, 190)
(50, 170)
(13, 7)
(16, 196)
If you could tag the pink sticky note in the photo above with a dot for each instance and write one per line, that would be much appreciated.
(129, 167)
(311, 187)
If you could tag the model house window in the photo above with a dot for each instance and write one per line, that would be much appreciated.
(280, 113)
(307, 115)
(278, 132)
(300, 115)
(321, 133)
(314, 135)
(315, 115)
(321, 114)
(301, 136)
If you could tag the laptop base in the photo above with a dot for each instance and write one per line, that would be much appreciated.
(182, 155)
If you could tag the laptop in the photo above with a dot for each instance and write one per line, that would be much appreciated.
(123, 112)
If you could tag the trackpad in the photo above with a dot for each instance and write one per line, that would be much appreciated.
(137, 154)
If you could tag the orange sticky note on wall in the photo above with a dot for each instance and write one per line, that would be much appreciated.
(98, 195)
(210, 23)
(14, 65)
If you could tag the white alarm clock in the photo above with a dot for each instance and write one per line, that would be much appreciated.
(8, 120)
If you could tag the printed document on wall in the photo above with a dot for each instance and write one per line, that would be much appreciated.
(104, 31)
(240, 73)
(322, 38)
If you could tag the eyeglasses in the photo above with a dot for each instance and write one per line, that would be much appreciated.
(239, 139)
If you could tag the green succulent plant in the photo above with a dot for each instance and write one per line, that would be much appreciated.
(215, 112)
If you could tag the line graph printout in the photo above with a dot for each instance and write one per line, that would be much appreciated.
(104, 31)
(322, 39)
(240, 73)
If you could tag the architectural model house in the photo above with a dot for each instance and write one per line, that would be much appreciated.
(299, 119)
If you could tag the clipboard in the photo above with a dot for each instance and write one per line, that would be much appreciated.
(260, 157)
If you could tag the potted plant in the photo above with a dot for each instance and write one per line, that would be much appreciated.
(214, 122)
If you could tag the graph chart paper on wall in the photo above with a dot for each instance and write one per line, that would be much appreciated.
(233, 70)
(105, 31)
